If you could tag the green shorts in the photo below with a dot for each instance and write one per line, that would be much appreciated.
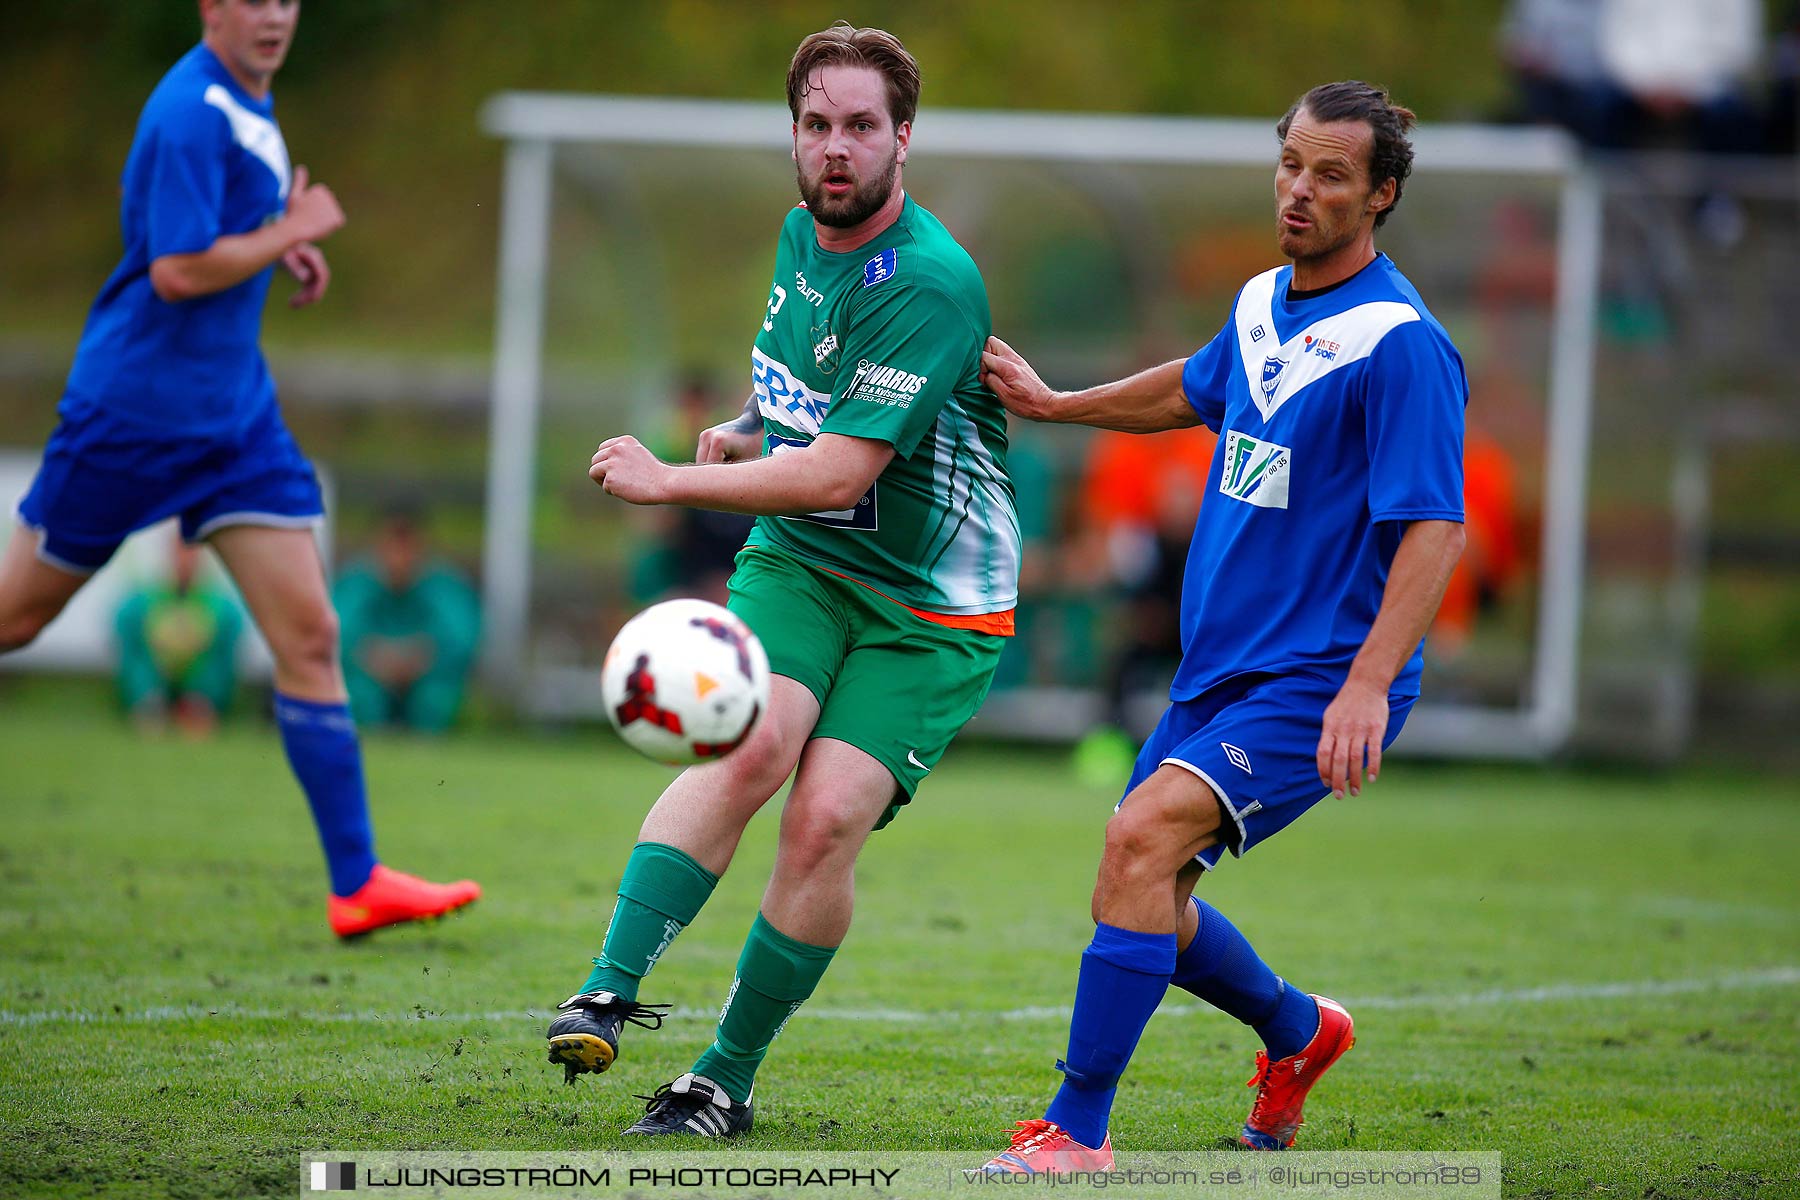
(892, 684)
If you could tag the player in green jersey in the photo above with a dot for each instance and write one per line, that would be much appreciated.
(881, 574)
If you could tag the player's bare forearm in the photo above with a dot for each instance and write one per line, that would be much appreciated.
(1415, 586)
(832, 473)
(1148, 402)
(226, 263)
(312, 214)
(1355, 722)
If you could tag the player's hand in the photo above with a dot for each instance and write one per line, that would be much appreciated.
(733, 441)
(1005, 372)
(306, 262)
(629, 471)
(312, 212)
(1355, 723)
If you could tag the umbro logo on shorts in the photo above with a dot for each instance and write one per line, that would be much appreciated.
(1238, 758)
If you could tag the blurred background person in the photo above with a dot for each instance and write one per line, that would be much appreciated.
(1042, 619)
(178, 641)
(1628, 74)
(1648, 75)
(688, 551)
(1690, 70)
(1139, 498)
(1553, 50)
(411, 624)
(1784, 81)
(1491, 563)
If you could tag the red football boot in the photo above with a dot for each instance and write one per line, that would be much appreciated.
(1039, 1146)
(1281, 1087)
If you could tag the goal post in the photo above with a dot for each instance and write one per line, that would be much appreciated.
(538, 127)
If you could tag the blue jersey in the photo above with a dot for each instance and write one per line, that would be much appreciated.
(1340, 420)
(208, 160)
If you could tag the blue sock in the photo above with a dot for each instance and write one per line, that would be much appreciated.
(321, 745)
(1123, 977)
(1220, 967)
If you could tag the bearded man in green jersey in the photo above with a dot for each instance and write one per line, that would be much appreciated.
(881, 574)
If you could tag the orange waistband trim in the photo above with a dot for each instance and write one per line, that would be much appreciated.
(1000, 624)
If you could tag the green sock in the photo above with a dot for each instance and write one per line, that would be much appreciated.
(661, 893)
(775, 975)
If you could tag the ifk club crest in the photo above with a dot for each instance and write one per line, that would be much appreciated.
(1271, 375)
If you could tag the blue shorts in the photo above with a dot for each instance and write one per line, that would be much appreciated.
(103, 478)
(1254, 739)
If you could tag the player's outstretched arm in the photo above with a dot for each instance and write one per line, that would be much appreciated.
(1148, 402)
(829, 475)
(312, 215)
(1356, 720)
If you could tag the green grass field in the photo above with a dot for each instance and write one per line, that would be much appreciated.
(1593, 974)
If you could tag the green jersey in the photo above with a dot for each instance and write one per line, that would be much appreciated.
(885, 343)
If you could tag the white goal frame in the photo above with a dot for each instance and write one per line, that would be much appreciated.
(534, 124)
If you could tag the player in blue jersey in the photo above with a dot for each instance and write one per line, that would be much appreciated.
(1333, 519)
(169, 411)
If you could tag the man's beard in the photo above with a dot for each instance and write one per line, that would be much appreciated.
(1320, 245)
(1318, 242)
(864, 200)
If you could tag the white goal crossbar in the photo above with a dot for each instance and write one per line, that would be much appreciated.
(534, 124)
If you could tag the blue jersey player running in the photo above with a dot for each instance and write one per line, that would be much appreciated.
(169, 411)
(1333, 519)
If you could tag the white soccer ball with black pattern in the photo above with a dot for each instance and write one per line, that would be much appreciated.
(685, 681)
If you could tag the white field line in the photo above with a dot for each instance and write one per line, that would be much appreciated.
(1628, 990)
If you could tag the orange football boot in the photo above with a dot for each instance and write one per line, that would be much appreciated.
(390, 897)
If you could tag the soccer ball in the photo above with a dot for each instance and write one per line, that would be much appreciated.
(685, 681)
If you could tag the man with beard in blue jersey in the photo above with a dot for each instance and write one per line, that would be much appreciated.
(1333, 521)
(169, 411)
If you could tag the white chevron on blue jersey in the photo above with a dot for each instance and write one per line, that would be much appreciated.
(782, 398)
(1276, 373)
(254, 132)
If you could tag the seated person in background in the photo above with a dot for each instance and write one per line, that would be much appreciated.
(410, 627)
(703, 546)
(177, 649)
(687, 552)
